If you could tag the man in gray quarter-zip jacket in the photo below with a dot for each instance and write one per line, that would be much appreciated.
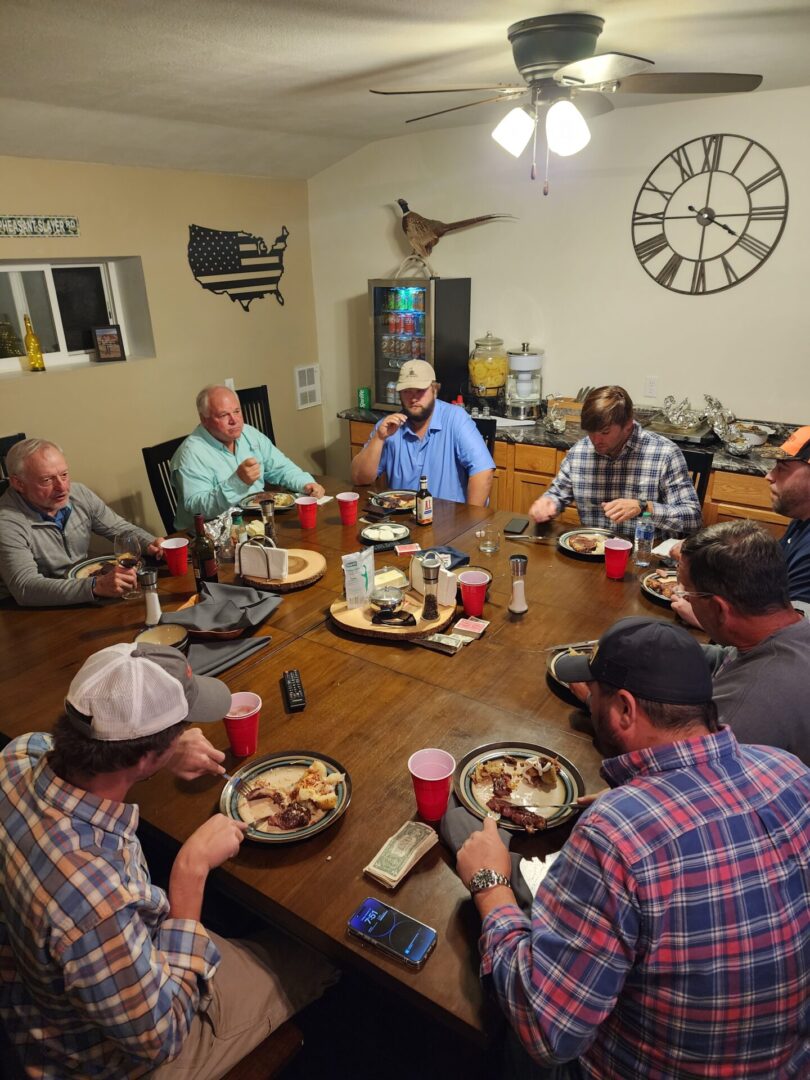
(45, 528)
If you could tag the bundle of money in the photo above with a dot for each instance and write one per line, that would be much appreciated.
(400, 853)
(446, 643)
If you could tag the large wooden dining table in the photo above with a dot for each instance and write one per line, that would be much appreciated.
(370, 704)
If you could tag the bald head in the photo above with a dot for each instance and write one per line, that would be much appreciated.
(220, 414)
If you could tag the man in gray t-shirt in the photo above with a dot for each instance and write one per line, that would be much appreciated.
(735, 578)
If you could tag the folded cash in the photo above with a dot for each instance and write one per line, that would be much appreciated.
(446, 643)
(400, 853)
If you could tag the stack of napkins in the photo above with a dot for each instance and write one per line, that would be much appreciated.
(400, 853)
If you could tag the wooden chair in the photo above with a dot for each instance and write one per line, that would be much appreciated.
(256, 409)
(6, 443)
(156, 459)
(699, 464)
(486, 425)
(271, 1056)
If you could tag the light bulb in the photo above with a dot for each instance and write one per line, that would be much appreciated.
(514, 131)
(566, 130)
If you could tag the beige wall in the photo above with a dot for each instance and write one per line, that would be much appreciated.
(564, 276)
(104, 415)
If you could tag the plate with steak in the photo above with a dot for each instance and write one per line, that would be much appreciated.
(101, 564)
(520, 782)
(397, 502)
(658, 586)
(287, 796)
(584, 543)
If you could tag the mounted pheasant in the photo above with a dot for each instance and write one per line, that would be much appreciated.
(424, 233)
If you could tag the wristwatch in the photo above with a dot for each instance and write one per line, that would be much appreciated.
(642, 506)
(486, 879)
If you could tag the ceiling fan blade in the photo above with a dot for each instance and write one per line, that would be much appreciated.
(452, 90)
(469, 105)
(688, 82)
(605, 67)
(592, 104)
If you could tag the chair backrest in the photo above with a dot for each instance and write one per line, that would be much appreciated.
(256, 409)
(486, 425)
(699, 464)
(156, 459)
(6, 443)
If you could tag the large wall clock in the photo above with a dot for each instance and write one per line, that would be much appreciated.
(709, 214)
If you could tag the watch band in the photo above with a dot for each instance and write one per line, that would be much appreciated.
(642, 506)
(486, 879)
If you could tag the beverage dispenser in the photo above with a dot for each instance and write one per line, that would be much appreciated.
(524, 383)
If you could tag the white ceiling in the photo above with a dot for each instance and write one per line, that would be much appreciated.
(279, 88)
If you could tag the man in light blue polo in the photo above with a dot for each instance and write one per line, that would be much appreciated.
(428, 438)
(224, 460)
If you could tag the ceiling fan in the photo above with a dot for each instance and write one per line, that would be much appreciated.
(555, 56)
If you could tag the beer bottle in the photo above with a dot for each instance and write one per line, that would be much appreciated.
(203, 555)
(424, 503)
(32, 347)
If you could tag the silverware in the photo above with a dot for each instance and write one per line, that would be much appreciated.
(570, 645)
(532, 539)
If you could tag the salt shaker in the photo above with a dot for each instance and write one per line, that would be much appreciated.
(517, 603)
(430, 575)
(147, 579)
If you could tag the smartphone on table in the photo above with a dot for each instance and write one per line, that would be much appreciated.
(516, 526)
(393, 932)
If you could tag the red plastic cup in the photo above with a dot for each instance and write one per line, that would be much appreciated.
(617, 552)
(347, 504)
(175, 552)
(242, 723)
(431, 772)
(307, 510)
(473, 591)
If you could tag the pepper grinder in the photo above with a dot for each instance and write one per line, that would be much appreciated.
(517, 603)
(147, 579)
(430, 576)
(268, 517)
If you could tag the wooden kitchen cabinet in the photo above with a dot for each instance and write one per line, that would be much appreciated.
(732, 496)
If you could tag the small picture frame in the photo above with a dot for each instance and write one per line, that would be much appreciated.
(107, 342)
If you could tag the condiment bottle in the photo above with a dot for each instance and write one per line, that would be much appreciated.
(424, 503)
(32, 347)
(203, 555)
(430, 576)
(517, 603)
(269, 518)
(147, 579)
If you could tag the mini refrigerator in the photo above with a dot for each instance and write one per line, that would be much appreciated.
(418, 319)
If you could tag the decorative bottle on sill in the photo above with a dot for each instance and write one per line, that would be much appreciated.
(33, 348)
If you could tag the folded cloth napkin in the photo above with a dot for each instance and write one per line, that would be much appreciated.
(457, 558)
(214, 657)
(458, 823)
(225, 607)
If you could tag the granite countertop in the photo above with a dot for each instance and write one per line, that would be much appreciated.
(538, 435)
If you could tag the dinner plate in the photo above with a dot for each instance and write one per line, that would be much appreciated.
(560, 688)
(228, 802)
(371, 533)
(567, 786)
(282, 501)
(564, 543)
(650, 592)
(398, 501)
(86, 567)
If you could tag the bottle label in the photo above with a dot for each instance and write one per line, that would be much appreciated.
(424, 510)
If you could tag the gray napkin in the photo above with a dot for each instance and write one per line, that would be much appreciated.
(214, 657)
(225, 607)
(458, 823)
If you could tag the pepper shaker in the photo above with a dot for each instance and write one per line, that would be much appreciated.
(269, 519)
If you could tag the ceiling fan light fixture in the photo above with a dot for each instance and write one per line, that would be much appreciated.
(566, 130)
(514, 131)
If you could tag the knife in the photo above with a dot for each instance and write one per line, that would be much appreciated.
(533, 539)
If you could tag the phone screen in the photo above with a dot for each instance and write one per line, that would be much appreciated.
(516, 525)
(391, 930)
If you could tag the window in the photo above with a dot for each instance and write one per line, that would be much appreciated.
(64, 301)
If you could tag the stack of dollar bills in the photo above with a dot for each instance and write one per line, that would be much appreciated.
(400, 853)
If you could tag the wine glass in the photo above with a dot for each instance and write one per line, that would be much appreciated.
(127, 548)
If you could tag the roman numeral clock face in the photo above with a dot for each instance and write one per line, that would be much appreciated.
(709, 214)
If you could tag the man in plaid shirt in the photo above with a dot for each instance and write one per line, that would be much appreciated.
(102, 974)
(671, 936)
(619, 471)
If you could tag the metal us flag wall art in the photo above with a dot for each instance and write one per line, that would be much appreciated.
(237, 264)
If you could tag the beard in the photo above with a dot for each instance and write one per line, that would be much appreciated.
(605, 742)
(421, 412)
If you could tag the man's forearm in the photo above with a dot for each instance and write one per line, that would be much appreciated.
(186, 887)
(366, 464)
(479, 487)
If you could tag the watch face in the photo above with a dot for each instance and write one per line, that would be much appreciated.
(709, 214)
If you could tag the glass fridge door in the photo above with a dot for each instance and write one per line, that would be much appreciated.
(401, 331)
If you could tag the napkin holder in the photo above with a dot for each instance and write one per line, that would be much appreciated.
(258, 557)
(448, 584)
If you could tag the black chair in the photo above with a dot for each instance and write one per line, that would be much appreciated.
(486, 425)
(6, 443)
(256, 409)
(156, 459)
(699, 464)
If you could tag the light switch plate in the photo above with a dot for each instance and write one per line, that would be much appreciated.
(651, 387)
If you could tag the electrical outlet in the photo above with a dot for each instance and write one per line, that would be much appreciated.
(229, 384)
(651, 387)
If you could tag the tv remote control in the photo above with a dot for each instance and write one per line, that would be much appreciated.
(294, 690)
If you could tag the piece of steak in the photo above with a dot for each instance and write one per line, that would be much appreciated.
(520, 815)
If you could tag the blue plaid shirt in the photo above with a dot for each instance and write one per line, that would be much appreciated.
(648, 467)
(671, 937)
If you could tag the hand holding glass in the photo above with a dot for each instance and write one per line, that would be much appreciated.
(127, 548)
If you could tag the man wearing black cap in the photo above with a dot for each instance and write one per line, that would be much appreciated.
(103, 974)
(671, 936)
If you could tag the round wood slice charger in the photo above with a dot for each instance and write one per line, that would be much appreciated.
(358, 620)
(304, 568)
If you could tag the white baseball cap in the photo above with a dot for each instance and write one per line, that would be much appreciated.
(128, 691)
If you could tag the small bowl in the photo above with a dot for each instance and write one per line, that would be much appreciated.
(165, 634)
(388, 598)
(754, 434)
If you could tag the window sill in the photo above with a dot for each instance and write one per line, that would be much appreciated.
(15, 368)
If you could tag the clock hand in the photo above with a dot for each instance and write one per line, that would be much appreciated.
(704, 217)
